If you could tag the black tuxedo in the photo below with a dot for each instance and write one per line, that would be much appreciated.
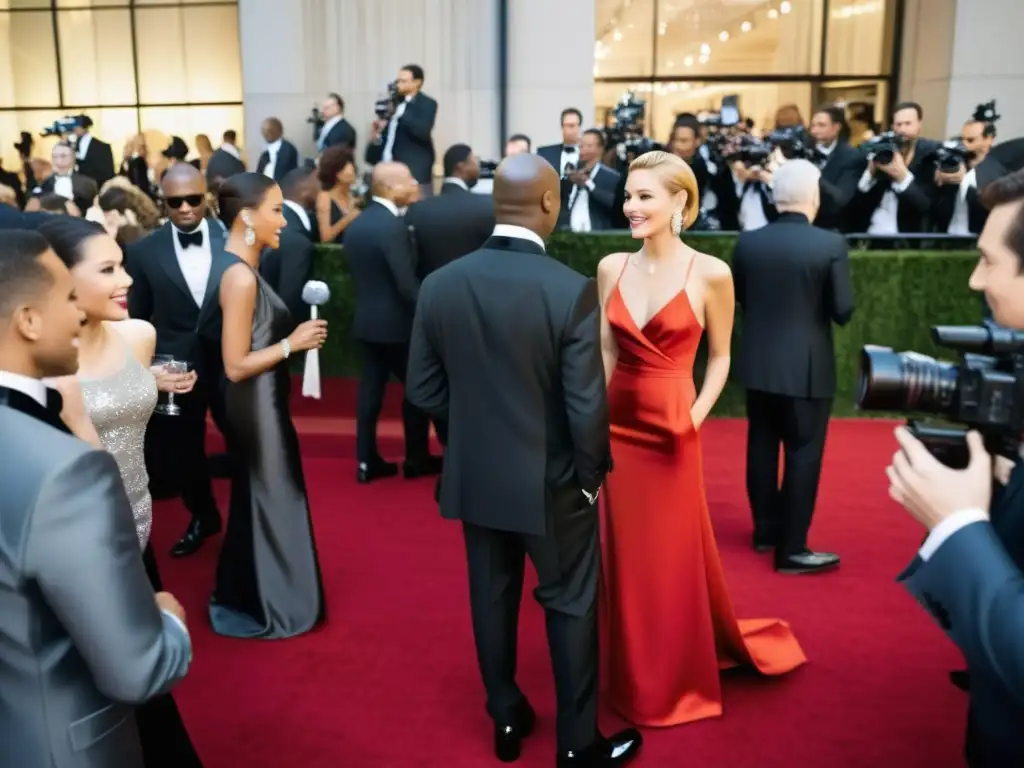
(288, 268)
(341, 133)
(83, 189)
(287, 160)
(839, 176)
(48, 414)
(381, 261)
(11, 179)
(945, 206)
(553, 154)
(448, 226)
(601, 200)
(161, 296)
(222, 165)
(413, 145)
(98, 163)
(792, 282)
(506, 347)
(914, 203)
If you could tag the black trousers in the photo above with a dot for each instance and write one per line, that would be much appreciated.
(568, 563)
(782, 515)
(176, 450)
(380, 363)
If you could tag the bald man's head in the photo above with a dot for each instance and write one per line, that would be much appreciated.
(526, 193)
(185, 196)
(394, 182)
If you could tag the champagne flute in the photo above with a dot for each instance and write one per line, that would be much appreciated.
(167, 364)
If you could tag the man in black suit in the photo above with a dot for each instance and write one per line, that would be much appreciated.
(568, 152)
(380, 259)
(456, 222)
(958, 209)
(177, 271)
(288, 268)
(336, 130)
(506, 347)
(66, 181)
(280, 156)
(95, 158)
(405, 137)
(589, 192)
(792, 281)
(841, 167)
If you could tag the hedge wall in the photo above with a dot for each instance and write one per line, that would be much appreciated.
(899, 295)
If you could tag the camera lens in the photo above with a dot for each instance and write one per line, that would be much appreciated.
(906, 381)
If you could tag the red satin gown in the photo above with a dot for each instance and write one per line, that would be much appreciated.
(668, 625)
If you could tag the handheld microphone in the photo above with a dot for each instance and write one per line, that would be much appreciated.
(316, 294)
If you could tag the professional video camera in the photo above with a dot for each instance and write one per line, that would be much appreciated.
(985, 391)
(316, 119)
(883, 148)
(63, 126)
(487, 168)
(747, 149)
(718, 126)
(951, 155)
(627, 135)
(383, 106)
(794, 142)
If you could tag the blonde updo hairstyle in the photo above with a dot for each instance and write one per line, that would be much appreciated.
(676, 176)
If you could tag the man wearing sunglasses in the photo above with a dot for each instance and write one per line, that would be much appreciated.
(177, 271)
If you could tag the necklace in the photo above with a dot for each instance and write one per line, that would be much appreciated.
(642, 261)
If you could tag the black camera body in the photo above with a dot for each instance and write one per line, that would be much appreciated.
(984, 391)
(883, 148)
(316, 119)
(746, 149)
(794, 143)
(951, 155)
(63, 126)
(488, 168)
(627, 135)
(382, 107)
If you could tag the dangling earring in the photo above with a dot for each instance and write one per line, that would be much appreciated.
(677, 223)
(250, 233)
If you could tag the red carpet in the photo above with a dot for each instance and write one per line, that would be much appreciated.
(391, 680)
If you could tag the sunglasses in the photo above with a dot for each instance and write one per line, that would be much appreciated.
(194, 201)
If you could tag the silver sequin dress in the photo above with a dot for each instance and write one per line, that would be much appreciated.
(119, 407)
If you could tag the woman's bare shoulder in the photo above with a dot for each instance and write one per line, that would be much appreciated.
(712, 268)
(134, 331)
(612, 264)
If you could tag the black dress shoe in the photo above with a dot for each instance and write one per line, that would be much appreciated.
(197, 532)
(425, 467)
(376, 470)
(604, 753)
(806, 562)
(508, 737)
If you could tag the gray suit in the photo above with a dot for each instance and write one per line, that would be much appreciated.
(81, 637)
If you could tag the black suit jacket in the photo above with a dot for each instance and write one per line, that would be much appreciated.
(160, 295)
(601, 200)
(341, 133)
(506, 347)
(12, 180)
(792, 281)
(838, 186)
(287, 160)
(945, 205)
(222, 165)
(98, 163)
(414, 145)
(288, 268)
(915, 202)
(83, 188)
(448, 226)
(553, 154)
(381, 261)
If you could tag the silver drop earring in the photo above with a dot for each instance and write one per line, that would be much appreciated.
(250, 233)
(677, 223)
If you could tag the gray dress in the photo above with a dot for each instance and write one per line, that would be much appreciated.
(119, 407)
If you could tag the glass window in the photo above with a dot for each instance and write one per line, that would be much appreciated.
(28, 60)
(96, 57)
(201, 66)
(160, 123)
(20, 4)
(624, 44)
(860, 37)
(91, 3)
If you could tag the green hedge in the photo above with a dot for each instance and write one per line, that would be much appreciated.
(899, 295)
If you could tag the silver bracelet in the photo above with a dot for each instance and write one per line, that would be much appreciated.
(286, 347)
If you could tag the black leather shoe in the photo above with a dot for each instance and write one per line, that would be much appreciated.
(376, 470)
(426, 467)
(508, 737)
(197, 532)
(604, 753)
(806, 562)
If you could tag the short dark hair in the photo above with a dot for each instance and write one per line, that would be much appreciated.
(243, 190)
(295, 178)
(909, 105)
(415, 70)
(835, 114)
(66, 236)
(51, 202)
(115, 199)
(21, 274)
(686, 121)
(570, 111)
(457, 153)
(597, 133)
(337, 100)
(230, 136)
(1006, 191)
(332, 162)
(521, 137)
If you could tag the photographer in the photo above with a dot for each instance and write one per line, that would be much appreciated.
(588, 192)
(95, 158)
(336, 130)
(968, 571)
(841, 170)
(958, 209)
(404, 136)
(895, 192)
(752, 182)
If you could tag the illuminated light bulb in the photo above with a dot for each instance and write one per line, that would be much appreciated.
(723, 36)
(688, 61)
(772, 13)
(616, 36)
(746, 26)
(785, 7)
(705, 49)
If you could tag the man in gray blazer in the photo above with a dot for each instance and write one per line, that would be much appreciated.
(82, 638)
(965, 574)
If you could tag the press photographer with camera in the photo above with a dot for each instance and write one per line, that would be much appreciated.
(968, 571)
(841, 166)
(402, 134)
(752, 164)
(589, 191)
(957, 209)
(336, 130)
(895, 192)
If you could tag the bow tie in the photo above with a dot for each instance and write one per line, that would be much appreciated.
(191, 238)
(569, 148)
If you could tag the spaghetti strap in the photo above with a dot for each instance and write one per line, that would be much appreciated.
(625, 263)
(689, 269)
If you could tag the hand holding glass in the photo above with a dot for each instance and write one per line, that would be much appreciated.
(166, 364)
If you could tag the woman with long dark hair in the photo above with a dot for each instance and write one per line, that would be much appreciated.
(335, 206)
(268, 577)
(109, 403)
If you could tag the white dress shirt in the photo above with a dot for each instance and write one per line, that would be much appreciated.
(579, 203)
(511, 230)
(301, 212)
(326, 130)
(195, 262)
(751, 213)
(884, 219)
(387, 204)
(960, 224)
(944, 530)
(456, 182)
(272, 149)
(389, 147)
(33, 388)
(231, 149)
(62, 186)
